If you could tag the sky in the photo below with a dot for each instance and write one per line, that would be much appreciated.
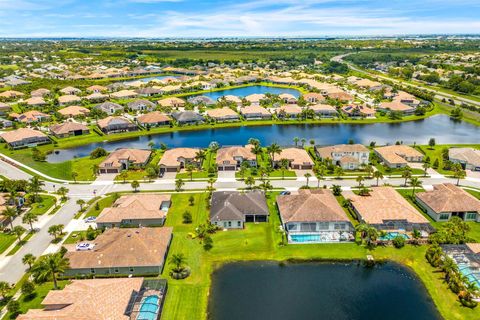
(235, 18)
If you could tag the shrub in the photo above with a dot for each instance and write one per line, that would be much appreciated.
(187, 217)
(97, 153)
(207, 243)
(13, 307)
(28, 288)
(398, 242)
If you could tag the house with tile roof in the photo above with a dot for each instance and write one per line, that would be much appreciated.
(314, 216)
(138, 210)
(173, 160)
(347, 156)
(398, 156)
(154, 119)
(122, 251)
(298, 159)
(446, 201)
(124, 159)
(67, 129)
(469, 158)
(385, 209)
(231, 158)
(24, 137)
(113, 124)
(232, 209)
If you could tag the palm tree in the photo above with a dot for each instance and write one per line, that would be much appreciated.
(81, 203)
(151, 144)
(18, 231)
(4, 289)
(265, 185)
(250, 182)
(253, 142)
(283, 166)
(211, 181)
(10, 213)
(35, 185)
(312, 142)
(407, 173)
(458, 172)
(360, 179)
(49, 266)
(62, 191)
(273, 149)
(178, 185)
(74, 176)
(319, 174)
(378, 175)
(369, 170)
(29, 259)
(303, 140)
(135, 184)
(415, 183)
(200, 156)
(425, 167)
(338, 172)
(256, 149)
(449, 267)
(308, 176)
(189, 168)
(123, 175)
(178, 260)
(30, 217)
(295, 140)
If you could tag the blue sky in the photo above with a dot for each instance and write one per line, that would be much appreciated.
(216, 18)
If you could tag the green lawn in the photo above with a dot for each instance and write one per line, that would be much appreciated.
(43, 205)
(188, 299)
(20, 244)
(102, 203)
(35, 302)
(435, 153)
(209, 162)
(6, 241)
(75, 236)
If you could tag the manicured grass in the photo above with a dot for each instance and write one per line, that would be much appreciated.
(35, 302)
(75, 236)
(209, 162)
(396, 171)
(188, 298)
(43, 205)
(102, 203)
(6, 241)
(20, 244)
(435, 153)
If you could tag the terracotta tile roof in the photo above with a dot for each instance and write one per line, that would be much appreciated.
(221, 113)
(135, 156)
(449, 198)
(310, 206)
(468, 155)
(39, 92)
(96, 299)
(35, 101)
(124, 94)
(170, 157)
(291, 109)
(232, 98)
(323, 107)
(227, 154)
(313, 96)
(102, 123)
(30, 116)
(398, 153)
(124, 247)
(254, 110)
(255, 97)
(70, 90)
(20, 134)
(153, 117)
(171, 102)
(67, 127)
(326, 152)
(296, 156)
(68, 98)
(384, 203)
(73, 111)
(11, 94)
(396, 106)
(136, 207)
(97, 88)
(475, 247)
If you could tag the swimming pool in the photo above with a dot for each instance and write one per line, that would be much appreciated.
(149, 308)
(472, 276)
(319, 237)
(303, 238)
(393, 235)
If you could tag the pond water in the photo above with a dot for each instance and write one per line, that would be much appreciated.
(440, 127)
(336, 291)
(245, 91)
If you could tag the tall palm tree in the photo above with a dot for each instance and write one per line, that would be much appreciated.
(425, 167)
(295, 140)
(273, 149)
(178, 260)
(49, 267)
(74, 176)
(10, 213)
(378, 175)
(284, 166)
(256, 149)
(415, 183)
(18, 231)
(369, 169)
(308, 176)
(200, 156)
(178, 185)
(30, 217)
(81, 203)
(406, 174)
(303, 140)
(360, 179)
(458, 172)
(320, 173)
(189, 168)
(35, 185)
(29, 259)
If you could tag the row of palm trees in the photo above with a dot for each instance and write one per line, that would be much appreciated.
(465, 289)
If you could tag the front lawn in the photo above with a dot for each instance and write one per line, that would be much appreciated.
(100, 205)
(42, 206)
(6, 240)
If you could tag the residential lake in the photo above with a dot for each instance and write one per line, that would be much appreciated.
(336, 291)
(440, 127)
(248, 90)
